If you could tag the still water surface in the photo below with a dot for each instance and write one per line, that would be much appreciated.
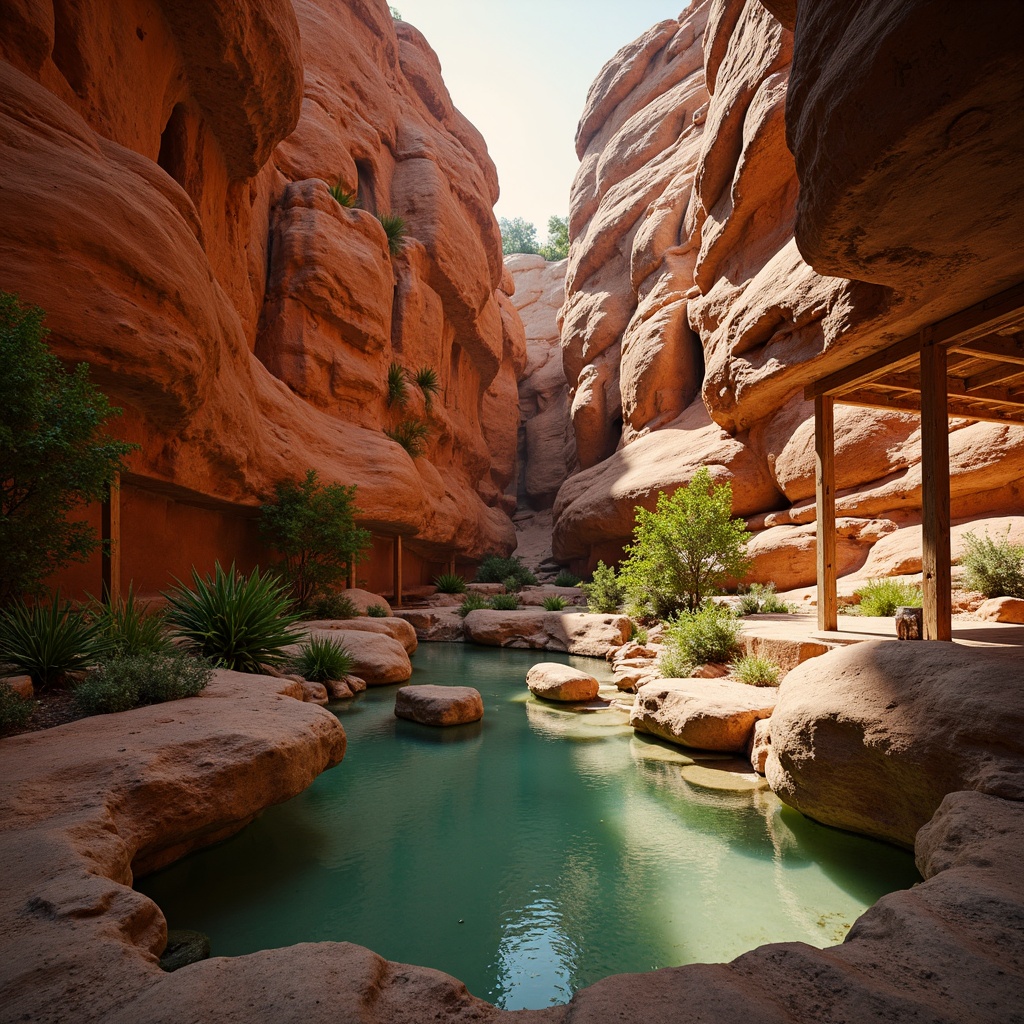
(529, 855)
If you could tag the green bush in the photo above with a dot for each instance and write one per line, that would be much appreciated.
(377, 611)
(428, 382)
(761, 599)
(496, 569)
(685, 549)
(342, 195)
(557, 246)
(754, 670)
(411, 434)
(398, 387)
(322, 658)
(567, 579)
(148, 678)
(710, 634)
(505, 602)
(333, 606)
(604, 593)
(638, 634)
(131, 628)
(395, 228)
(49, 641)
(15, 711)
(235, 621)
(553, 604)
(883, 596)
(450, 583)
(472, 603)
(313, 526)
(993, 567)
(54, 455)
(517, 235)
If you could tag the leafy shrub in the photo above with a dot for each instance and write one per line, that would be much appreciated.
(710, 634)
(517, 235)
(54, 456)
(512, 584)
(993, 567)
(395, 228)
(505, 602)
(882, 597)
(322, 658)
(604, 592)
(638, 634)
(48, 641)
(557, 246)
(148, 678)
(754, 670)
(685, 549)
(412, 435)
(450, 583)
(333, 606)
(234, 621)
(496, 569)
(15, 711)
(553, 604)
(567, 579)
(131, 628)
(313, 526)
(377, 611)
(342, 195)
(761, 599)
(398, 387)
(428, 382)
(472, 603)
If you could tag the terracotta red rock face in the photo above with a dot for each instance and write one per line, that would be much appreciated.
(169, 210)
(701, 286)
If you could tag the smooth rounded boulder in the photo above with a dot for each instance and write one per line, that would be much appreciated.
(552, 681)
(376, 657)
(439, 705)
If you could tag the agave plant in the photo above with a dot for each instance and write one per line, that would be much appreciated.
(428, 382)
(553, 604)
(450, 583)
(235, 621)
(395, 228)
(398, 388)
(322, 658)
(131, 628)
(412, 435)
(342, 195)
(49, 641)
(472, 603)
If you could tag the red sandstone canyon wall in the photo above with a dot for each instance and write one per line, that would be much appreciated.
(164, 197)
(693, 316)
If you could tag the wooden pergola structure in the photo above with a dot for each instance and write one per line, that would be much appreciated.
(969, 365)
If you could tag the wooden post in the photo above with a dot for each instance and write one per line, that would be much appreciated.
(451, 563)
(398, 571)
(825, 489)
(351, 573)
(110, 531)
(935, 556)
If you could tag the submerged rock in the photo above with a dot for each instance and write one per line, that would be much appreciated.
(439, 705)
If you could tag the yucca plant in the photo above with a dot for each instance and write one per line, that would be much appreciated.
(49, 641)
(428, 382)
(395, 228)
(473, 603)
(412, 435)
(322, 658)
(450, 583)
(131, 628)
(235, 621)
(505, 602)
(554, 604)
(398, 388)
(342, 195)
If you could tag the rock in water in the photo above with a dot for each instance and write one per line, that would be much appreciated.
(552, 681)
(184, 947)
(439, 705)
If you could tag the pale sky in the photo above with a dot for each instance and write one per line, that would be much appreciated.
(520, 71)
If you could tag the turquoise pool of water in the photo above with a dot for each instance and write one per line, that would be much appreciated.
(529, 855)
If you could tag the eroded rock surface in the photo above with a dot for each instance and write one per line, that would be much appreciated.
(583, 633)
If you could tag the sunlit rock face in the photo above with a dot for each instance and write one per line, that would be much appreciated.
(692, 319)
(165, 199)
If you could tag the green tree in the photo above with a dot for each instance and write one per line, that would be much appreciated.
(313, 526)
(557, 245)
(685, 549)
(55, 457)
(517, 235)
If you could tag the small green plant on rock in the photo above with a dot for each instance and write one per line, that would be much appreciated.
(505, 602)
(708, 635)
(323, 658)
(412, 435)
(567, 579)
(343, 196)
(605, 592)
(993, 567)
(15, 710)
(882, 597)
(554, 604)
(131, 628)
(148, 678)
(638, 634)
(333, 606)
(236, 622)
(398, 386)
(450, 583)
(428, 382)
(498, 569)
(377, 611)
(473, 603)
(754, 670)
(761, 599)
(395, 228)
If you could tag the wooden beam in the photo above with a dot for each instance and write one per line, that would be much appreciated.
(398, 571)
(997, 349)
(935, 557)
(895, 357)
(825, 500)
(1001, 373)
(895, 402)
(990, 316)
(110, 532)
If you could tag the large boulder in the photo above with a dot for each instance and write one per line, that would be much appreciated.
(872, 737)
(393, 626)
(552, 681)
(584, 633)
(376, 657)
(707, 714)
(439, 705)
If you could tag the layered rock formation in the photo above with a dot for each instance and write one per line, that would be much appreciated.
(692, 318)
(165, 199)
